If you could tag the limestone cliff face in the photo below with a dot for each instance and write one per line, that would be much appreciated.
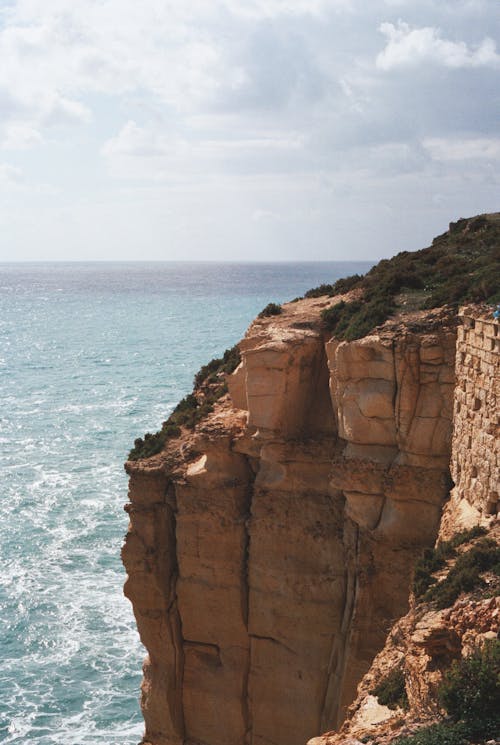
(269, 551)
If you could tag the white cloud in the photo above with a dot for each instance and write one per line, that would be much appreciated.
(187, 55)
(138, 152)
(259, 215)
(408, 46)
(19, 137)
(56, 110)
(10, 175)
(224, 112)
(259, 9)
(442, 149)
(140, 142)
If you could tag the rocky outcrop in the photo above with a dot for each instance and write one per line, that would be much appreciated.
(270, 550)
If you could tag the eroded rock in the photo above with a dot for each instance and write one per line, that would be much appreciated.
(269, 551)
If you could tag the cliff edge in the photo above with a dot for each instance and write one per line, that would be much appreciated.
(272, 541)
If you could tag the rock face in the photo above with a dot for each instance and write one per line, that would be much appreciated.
(269, 551)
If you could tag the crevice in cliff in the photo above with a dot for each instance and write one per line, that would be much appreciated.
(331, 705)
(208, 645)
(273, 640)
(174, 618)
(380, 515)
(395, 394)
(245, 598)
(247, 514)
(319, 418)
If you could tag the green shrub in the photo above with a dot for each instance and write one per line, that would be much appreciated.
(465, 536)
(465, 576)
(372, 314)
(340, 287)
(434, 559)
(331, 316)
(391, 690)
(320, 291)
(462, 265)
(214, 369)
(357, 318)
(470, 692)
(346, 284)
(210, 379)
(271, 309)
(442, 733)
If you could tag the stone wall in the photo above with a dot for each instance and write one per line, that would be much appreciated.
(475, 460)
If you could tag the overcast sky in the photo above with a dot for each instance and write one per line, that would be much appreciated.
(244, 129)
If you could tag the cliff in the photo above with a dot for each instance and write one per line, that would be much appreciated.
(271, 546)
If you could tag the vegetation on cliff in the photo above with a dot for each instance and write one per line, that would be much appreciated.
(434, 559)
(271, 309)
(466, 573)
(470, 696)
(391, 690)
(462, 265)
(465, 576)
(470, 692)
(209, 385)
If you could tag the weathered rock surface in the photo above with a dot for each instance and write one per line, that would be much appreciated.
(270, 551)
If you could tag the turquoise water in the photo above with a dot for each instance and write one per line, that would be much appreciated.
(92, 356)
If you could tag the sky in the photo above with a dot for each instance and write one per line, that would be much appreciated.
(244, 130)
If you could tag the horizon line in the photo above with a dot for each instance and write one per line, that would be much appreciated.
(186, 261)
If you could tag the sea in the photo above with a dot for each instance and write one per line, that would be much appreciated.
(92, 355)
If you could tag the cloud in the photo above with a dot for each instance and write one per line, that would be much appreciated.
(10, 175)
(233, 112)
(31, 96)
(149, 152)
(441, 149)
(411, 47)
(20, 137)
(56, 110)
(139, 142)
(259, 9)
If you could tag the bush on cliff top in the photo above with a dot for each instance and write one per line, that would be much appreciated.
(219, 366)
(209, 385)
(462, 265)
(271, 309)
(338, 288)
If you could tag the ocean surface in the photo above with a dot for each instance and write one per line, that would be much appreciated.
(92, 355)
